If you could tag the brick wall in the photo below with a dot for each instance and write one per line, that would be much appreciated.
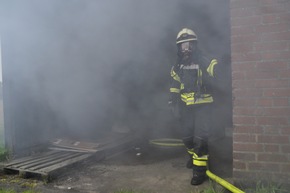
(260, 50)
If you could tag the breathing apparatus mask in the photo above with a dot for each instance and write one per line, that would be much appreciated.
(186, 42)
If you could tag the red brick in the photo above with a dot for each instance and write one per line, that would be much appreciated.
(285, 167)
(269, 18)
(272, 130)
(242, 30)
(247, 92)
(241, 12)
(271, 9)
(277, 111)
(276, 36)
(249, 102)
(271, 148)
(238, 75)
(249, 175)
(281, 101)
(269, 2)
(272, 65)
(248, 111)
(243, 66)
(266, 28)
(272, 157)
(271, 46)
(244, 137)
(285, 130)
(271, 83)
(285, 149)
(269, 167)
(243, 3)
(246, 120)
(277, 55)
(239, 165)
(273, 139)
(284, 74)
(264, 102)
(254, 74)
(248, 147)
(284, 17)
(248, 21)
(271, 120)
(248, 129)
(276, 92)
(255, 56)
(247, 47)
(244, 156)
(245, 38)
(282, 176)
(242, 84)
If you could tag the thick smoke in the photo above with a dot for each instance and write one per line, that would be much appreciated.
(79, 67)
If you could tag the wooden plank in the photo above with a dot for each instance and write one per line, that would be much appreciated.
(40, 159)
(72, 150)
(64, 163)
(56, 161)
(32, 157)
(74, 144)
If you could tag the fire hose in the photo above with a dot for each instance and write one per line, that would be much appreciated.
(178, 142)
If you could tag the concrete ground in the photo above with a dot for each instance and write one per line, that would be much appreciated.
(156, 170)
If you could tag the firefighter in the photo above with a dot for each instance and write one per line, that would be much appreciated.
(191, 91)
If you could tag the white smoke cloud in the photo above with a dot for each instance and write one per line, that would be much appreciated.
(89, 63)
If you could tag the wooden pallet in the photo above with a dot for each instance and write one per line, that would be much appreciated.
(44, 164)
(65, 152)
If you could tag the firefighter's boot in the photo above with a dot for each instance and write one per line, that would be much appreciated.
(200, 159)
(188, 142)
(189, 163)
(199, 170)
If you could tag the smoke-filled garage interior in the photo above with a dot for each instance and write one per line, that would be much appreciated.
(81, 70)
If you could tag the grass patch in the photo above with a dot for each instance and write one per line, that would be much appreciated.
(13, 191)
(3, 154)
(7, 191)
(127, 191)
(267, 188)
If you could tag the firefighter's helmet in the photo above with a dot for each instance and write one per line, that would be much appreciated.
(185, 35)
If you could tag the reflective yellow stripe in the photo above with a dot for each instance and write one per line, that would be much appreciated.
(210, 68)
(202, 158)
(190, 151)
(200, 161)
(188, 98)
(181, 86)
(199, 80)
(175, 90)
(174, 75)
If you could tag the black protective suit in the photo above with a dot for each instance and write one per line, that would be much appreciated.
(191, 90)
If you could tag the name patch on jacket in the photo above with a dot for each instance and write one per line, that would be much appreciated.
(189, 67)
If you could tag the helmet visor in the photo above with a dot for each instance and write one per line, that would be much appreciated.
(186, 46)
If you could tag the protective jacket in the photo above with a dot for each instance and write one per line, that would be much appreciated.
(193, 83)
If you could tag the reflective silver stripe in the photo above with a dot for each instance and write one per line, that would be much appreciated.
(189, 67)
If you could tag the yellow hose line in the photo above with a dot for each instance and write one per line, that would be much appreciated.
(167, 142)
(224, 183)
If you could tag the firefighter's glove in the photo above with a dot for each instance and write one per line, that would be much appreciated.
(197, 95)
(171, 106)
(174, 109)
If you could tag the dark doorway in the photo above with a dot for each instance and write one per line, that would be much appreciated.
(76, 68)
